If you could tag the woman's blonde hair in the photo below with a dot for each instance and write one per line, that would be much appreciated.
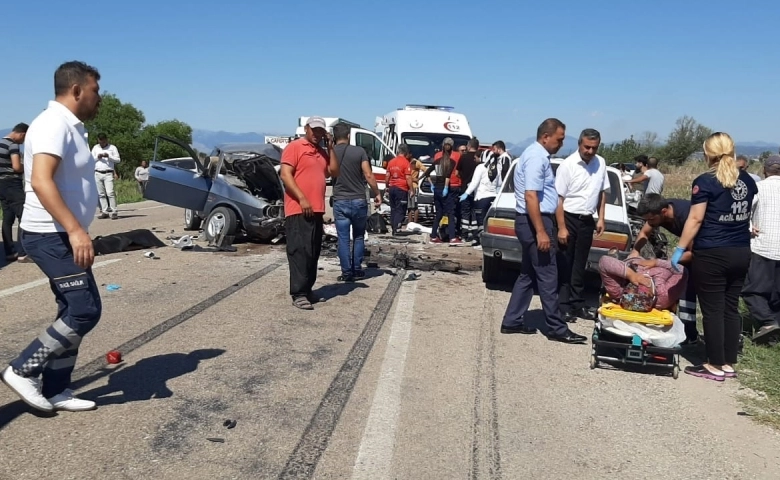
(719, 152)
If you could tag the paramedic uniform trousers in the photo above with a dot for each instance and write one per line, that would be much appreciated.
(53, 354)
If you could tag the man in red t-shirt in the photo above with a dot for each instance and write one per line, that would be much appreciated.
(304, 168)
(399, 181)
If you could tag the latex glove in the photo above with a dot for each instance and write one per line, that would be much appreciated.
(464, 197)
(433, 188)
(445, 191)
(678, 253)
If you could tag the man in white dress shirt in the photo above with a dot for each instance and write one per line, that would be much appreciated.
(581, 182)
(106, 157)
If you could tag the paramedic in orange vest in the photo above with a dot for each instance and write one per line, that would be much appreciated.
(399, 181)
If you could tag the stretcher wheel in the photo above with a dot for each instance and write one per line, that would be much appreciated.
(593, 361)
(676, 372)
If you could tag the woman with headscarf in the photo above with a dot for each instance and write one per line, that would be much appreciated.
(718, 226)
(444, 164)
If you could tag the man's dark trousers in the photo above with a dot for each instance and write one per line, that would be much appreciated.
(53, 354)
(538, 267)
(12, 202)
(575, 259)
(761, 292)
(467, 223)
(304, 243)
(399, 199)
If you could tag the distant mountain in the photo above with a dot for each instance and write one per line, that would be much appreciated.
(754, 149)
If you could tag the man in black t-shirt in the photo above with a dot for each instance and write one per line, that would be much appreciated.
(350, 208)
(466, 166)
(12, 190)
(670, 214)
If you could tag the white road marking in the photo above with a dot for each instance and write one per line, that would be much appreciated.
(374, 459)
(148, 208)
(45, 281)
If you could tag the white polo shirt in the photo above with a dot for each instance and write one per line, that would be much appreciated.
(57, 131)
(105, 164)
(580, 184)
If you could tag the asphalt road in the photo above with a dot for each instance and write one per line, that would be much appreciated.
(386, 379)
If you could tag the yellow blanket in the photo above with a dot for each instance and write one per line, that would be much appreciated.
(653, 317)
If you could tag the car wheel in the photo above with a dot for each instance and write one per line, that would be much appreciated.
(221, 219)
(191, 220)
(491, 269)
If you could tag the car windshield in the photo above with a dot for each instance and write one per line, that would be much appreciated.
(427, 144)
(613, 194)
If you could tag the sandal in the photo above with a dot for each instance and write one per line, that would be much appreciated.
(703, 372)
(302, 303)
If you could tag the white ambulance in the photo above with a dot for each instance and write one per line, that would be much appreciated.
(377, 151)
(423, 128)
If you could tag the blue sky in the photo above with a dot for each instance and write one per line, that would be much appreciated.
(622, 67)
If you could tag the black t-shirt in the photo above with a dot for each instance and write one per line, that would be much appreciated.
(466, 166)
(351, 183)
(727, 220)
(681, 209)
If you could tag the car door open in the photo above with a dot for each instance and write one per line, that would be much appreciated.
(176, 186)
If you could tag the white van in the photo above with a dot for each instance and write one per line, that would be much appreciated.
(423, 128)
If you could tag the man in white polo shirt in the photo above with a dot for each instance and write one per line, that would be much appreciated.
(106, 157)
(581, 182)
(59, 206)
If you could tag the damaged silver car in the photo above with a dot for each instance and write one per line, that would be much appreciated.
(236, 192)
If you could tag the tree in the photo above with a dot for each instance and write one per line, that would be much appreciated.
(170, 128)
(621, 152)
(649, 140)
(126, 128)
(764, 155)
(686, 139)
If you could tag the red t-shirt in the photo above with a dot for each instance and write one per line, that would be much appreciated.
(455, 157)
(310, 166)
(397, 170)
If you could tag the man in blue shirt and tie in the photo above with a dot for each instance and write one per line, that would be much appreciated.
(536, 203)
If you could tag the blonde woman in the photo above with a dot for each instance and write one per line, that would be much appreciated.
(718, 227)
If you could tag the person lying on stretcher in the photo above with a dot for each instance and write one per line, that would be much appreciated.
(640, 285)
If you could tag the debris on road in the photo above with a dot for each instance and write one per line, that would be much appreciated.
(215, 439)
(139, 239)
(112, 287)
(229, 424)
(113, 357)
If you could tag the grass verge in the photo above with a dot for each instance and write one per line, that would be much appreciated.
(126, 192)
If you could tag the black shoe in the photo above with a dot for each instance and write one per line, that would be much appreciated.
(568, 317)
(525, 330)
(569, 337)
(584, 313)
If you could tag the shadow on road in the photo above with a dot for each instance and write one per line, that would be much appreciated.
(148, 378)
(141, 381)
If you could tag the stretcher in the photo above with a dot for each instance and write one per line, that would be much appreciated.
(614, 346)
